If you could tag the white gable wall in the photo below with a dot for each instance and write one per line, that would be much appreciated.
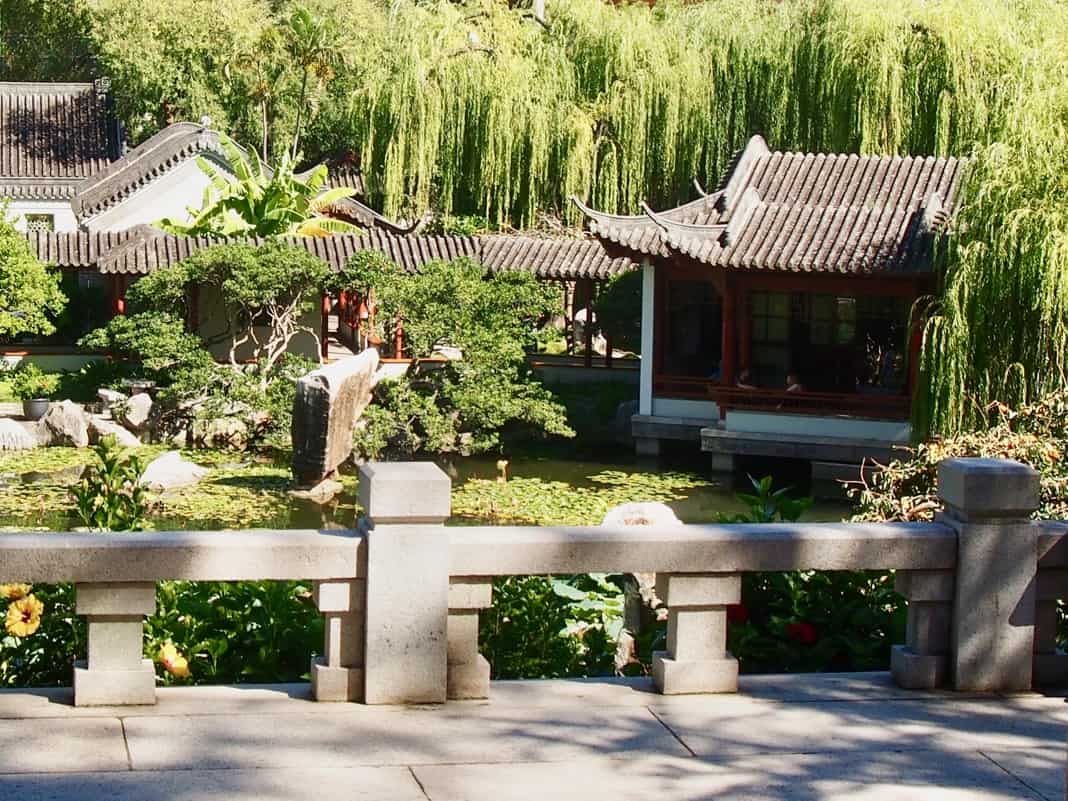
(169, 195)
(63, 215)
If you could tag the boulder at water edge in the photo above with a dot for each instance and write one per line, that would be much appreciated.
(641, 513)
(170, 470)
(100, 428)
(134, 412)
(15, 437)
(329, 402)
(65, 423)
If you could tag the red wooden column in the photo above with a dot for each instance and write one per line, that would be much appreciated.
(745, 328)
(728, 361)
(324, 325)
(588, 331)
(118, 295)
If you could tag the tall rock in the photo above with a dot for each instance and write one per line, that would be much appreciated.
(329, 402)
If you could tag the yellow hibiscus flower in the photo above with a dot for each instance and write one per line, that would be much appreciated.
(172, 661)
(24, 616)
(12, 592)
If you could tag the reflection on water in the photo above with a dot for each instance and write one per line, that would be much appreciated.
(714, 495)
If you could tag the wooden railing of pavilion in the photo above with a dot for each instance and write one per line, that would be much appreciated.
(858, 404)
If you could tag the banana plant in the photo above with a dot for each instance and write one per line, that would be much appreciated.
(255, 200)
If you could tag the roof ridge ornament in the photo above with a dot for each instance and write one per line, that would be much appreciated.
(755, 149)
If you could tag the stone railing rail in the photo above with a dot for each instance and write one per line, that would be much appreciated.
(401, 595)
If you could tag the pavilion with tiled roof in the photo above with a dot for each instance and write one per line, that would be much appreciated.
(797, 272)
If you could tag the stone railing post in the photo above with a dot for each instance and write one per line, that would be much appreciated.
(697, 660)
(407, 604)
(337, 675)
(468, 670)
(989, 502)
(1050, 664)
(115, 672)
(921, 663)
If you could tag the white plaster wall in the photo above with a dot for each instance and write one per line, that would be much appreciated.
(51, 362)
(59, 209)
(645, 384)
(813, 426)
(681, 407)
(213, 323)
(170, 195)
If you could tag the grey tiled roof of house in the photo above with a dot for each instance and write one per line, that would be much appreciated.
(801, 212)
(144, 249)
(52, 137)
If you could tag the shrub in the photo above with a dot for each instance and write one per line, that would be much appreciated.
(1035, 434)
(28, 381)
(109, 496)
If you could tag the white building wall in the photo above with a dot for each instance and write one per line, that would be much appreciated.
(169, 195)
(688, 409)
(805, 425)
(645, 384)
(63, 215)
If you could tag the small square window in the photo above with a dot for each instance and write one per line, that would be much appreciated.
(40, 222)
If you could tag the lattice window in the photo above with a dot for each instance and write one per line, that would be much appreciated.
(40, 222)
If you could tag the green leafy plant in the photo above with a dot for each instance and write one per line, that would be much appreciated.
(110, 496)
(260, 201)
(29, 382)
(766, 504)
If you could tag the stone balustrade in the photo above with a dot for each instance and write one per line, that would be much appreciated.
(401, 595)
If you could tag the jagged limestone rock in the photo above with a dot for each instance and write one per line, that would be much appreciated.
(329, 401)
(65, 424)
(134, 412)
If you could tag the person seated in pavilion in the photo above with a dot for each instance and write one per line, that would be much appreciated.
(745, 380)
(793, 383)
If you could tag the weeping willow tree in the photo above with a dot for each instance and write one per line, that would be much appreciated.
(999, 331)
(473, 108)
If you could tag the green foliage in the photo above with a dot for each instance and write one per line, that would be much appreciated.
(109, 496)
(1035, 434)
(259, 201)
(30, 295)
(618, 310)
(248, 631)
(153, 345)
(458, 405)
(809, 620)
(767, 505)
(520, 634)
(27, 382)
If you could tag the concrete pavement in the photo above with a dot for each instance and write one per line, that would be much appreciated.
(809, 738)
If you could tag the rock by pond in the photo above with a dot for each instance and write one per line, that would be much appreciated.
(65, 424)
(15, 437)
(329, 401)
(170, 470)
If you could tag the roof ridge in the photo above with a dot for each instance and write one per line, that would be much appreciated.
(45, 87)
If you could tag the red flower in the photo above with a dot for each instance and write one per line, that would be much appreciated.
(737, 613)
(804, 633)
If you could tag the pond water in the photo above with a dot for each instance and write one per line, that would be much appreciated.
(247, 492)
